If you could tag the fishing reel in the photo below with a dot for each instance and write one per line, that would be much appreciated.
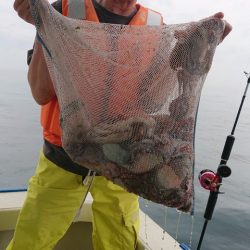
(211, 180)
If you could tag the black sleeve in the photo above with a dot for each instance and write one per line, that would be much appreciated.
(29, 55)
(58, 6)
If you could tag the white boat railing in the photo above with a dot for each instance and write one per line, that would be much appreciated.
(150, 237)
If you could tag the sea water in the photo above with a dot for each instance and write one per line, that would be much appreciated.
(229, 229)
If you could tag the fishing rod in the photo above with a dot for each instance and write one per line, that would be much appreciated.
(211, 180)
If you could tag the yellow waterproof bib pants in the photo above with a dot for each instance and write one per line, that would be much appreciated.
(53, 199)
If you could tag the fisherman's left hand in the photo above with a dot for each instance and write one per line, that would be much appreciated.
(22, 7)
(228, 27)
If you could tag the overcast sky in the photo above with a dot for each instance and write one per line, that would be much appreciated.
(231, 59)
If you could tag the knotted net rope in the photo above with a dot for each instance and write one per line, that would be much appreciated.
(128, 97)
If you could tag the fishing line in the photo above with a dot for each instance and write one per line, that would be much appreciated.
(239, 158)
(177, 227)
(191, 232)
(87, 181)
(165, 222)
(146, 204)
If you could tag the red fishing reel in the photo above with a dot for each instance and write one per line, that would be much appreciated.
(211, 180)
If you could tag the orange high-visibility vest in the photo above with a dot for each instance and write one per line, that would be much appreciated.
(84, 9)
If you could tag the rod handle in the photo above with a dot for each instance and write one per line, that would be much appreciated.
(211, 205)
(227, 148)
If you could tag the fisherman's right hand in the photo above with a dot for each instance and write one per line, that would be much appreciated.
(22, 7)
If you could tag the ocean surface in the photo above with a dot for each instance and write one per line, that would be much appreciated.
(229, 229)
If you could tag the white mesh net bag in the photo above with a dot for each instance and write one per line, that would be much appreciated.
(128, 97)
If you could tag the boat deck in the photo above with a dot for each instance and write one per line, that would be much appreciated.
(78, 237)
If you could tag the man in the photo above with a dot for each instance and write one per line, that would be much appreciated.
(56, 190)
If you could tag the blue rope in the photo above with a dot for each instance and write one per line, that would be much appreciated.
(184, 246)
(43, 44)
(13, 190)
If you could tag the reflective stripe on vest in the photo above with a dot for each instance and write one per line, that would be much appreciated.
(154, 18)
(76, 10)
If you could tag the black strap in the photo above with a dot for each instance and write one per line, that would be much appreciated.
(59, 157)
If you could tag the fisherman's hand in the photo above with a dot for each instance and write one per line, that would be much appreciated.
(228, 27)
(22, 7)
